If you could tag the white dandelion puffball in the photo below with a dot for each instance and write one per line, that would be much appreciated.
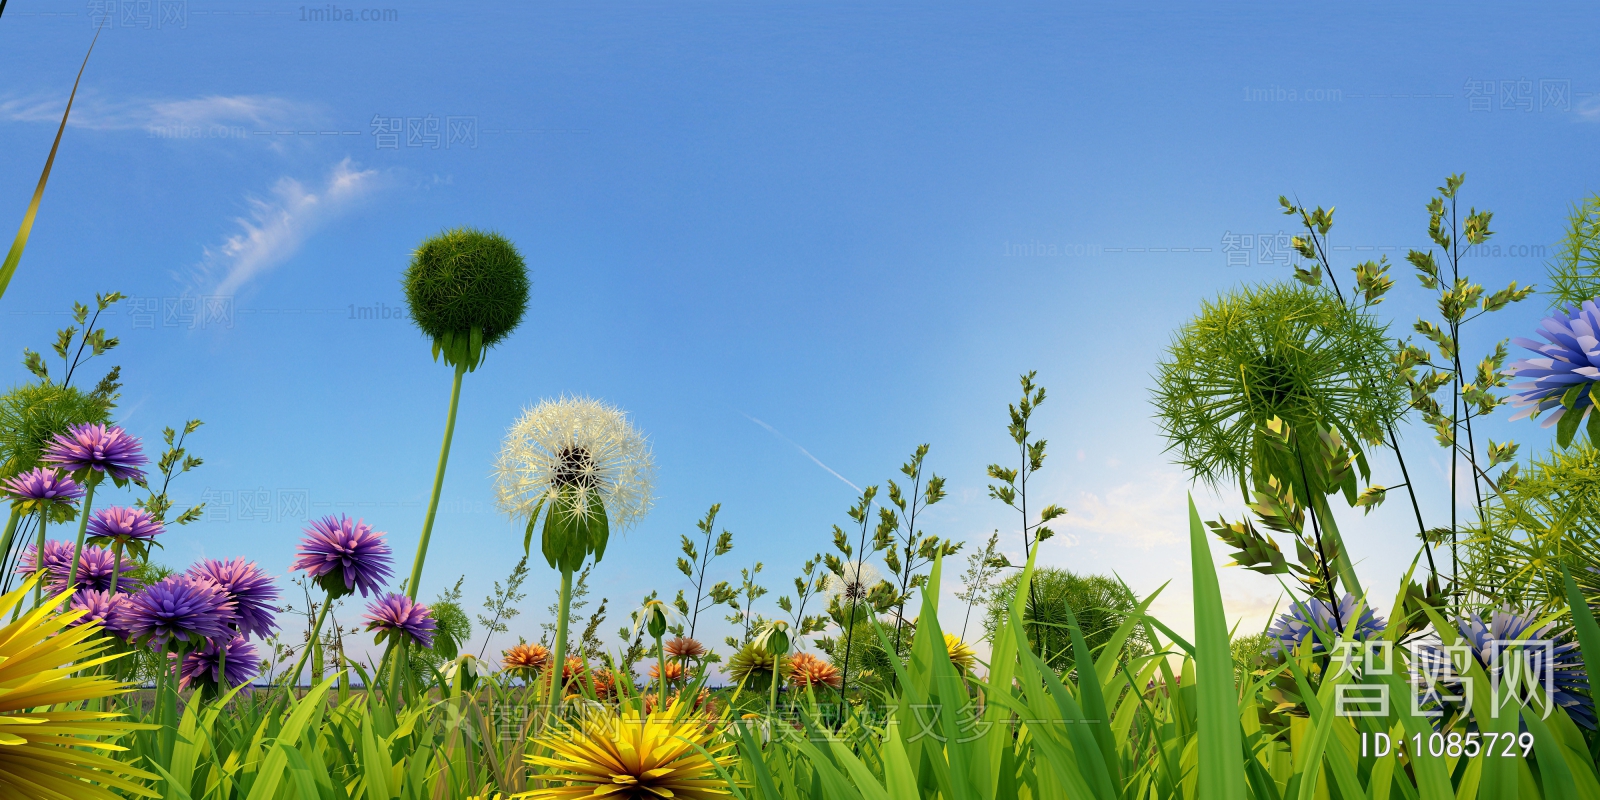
(579, 446)
(856, 582)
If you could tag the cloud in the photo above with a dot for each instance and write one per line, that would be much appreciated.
(210, 114)
(1144, 514)
(279, 224)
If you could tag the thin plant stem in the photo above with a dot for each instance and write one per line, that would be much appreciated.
(661, 666)
(1316, 529)
(38, 563)
(83, 527)
(1422, 528)
(558, 656)
(116, 568)
(438, 483)
(316, 630)
(850, 614)
(10, 534)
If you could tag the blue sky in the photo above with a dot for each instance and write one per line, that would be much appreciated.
(856, 224)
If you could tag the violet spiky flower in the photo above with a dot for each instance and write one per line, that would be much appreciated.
(103, 608)
(180, 607)
(1314, 619)
(43, 489)
(1548, 656)
(200, 668)
(57, 558)
(95, 567)
(344, 555)
(402, 618)
(125, 525)
(1570, 361)
(109, 452)
(251, 590)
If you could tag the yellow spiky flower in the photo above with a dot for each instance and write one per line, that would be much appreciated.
(46, 751)
(961, 653)
(629, 756)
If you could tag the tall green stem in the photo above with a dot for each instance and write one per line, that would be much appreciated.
(438, 483)
(116, 568)
(559, 655)
(772, 702)
(661, 666)
(38, 564)
(316, 631)
(10, 534)
(83, 526)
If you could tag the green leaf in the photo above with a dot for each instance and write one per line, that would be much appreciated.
(1567, 427)
(9, 266)
(1221, 770)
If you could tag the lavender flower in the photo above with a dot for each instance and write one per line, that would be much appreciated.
(201, 668)
(95, 565)
(1561, 667)
(397, 615)
(87, 448)
(344, 555)
(43, 489)
(251, 590)
(119, 524)
(57, 557)
(182, 607)
(102, 608)
(1571, 359)
(1315, 618)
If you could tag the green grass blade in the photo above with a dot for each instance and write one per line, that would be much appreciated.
(1221, 769)
(9, 266)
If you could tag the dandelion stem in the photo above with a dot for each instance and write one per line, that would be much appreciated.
(558, 658)
(438, 482)
(661, 666)
(83, 526)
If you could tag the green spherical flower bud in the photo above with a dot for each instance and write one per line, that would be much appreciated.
(467, 290)
(774, 640)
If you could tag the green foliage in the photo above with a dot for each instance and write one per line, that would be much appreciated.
(33, 414)
(697, 561)
(911, 549)
(502, 604)
(1575, 272)
(1101, 604)
(1273, 352)
(453, 631)
(467, 290)
(742, 602)
(1543, 517)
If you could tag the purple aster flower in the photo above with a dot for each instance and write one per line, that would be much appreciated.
(399, 615)
(1315, 619)
(100, 607)
(95, 565)
(40, 488)
(182, 607)
(344, 555)
(200, 667)
(1559, 667)
(124, 524)
(251, 590)
(1571, 359)
(57, 555)
(110, 451)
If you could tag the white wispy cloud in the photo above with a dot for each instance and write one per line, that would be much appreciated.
(96, 112)
(1147, 513)
(803, 451)
(278, 224)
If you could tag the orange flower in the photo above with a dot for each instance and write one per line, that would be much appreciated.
(605, 683)
(702, 701)
(573, 667)
(682, 647)
(806, 670)
(675, 672)
(526, 658)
